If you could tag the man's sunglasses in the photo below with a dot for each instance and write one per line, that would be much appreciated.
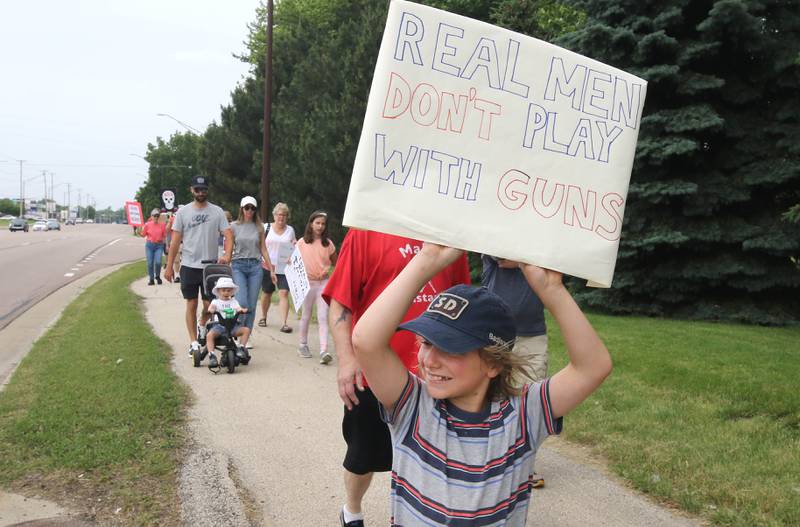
(249, 207)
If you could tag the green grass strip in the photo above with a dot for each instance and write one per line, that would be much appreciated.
(97, 397)
(703, 415)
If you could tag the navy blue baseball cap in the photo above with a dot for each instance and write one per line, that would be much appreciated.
(464, 318)
(199, 181)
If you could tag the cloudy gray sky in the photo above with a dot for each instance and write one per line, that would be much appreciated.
(81, 83)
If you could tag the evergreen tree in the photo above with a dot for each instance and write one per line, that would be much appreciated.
(718, 158)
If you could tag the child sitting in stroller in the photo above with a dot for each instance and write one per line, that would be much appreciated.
(226, 306)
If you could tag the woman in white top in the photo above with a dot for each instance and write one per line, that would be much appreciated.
(280, 244)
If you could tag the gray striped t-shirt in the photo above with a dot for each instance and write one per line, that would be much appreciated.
(457, 468)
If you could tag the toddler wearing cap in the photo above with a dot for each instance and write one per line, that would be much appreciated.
(464, 434)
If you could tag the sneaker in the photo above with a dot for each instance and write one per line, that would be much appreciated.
(194, 346)
(212, 361)
(325, 358)
(177, 280)
(151, 283)
(158, 280)
(303, 351)
(248, 346)
(241, 353)
(354, 523)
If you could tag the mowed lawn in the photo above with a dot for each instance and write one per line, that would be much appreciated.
(703, 415)
(94, 415)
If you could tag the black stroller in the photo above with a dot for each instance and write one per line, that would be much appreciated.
(231, 354)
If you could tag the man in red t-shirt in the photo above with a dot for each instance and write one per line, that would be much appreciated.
(368, 262)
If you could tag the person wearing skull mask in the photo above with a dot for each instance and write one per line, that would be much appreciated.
(197, 225)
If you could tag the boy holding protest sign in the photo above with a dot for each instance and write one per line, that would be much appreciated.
(464, 436)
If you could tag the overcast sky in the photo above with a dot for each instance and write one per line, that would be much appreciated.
(81, 83)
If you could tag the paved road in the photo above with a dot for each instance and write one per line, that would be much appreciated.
(269, 436)
(35, 264)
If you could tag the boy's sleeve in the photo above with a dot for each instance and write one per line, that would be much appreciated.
(541, 423)
(403, 408)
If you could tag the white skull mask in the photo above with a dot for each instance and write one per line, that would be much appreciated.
(168, 198)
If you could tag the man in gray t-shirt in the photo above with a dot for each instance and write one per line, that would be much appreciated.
(198, 225)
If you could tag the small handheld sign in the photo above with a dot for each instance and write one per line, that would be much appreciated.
(295, 272)
(134, 211)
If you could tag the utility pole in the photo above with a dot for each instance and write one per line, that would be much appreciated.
(265, 160)
(21, 191)
(44, 177)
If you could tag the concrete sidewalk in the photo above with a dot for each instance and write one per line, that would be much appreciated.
(273, 430)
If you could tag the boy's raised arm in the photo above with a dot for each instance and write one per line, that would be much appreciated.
(589, 360)
(384, 371)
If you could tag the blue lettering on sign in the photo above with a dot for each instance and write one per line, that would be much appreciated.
(457, 177)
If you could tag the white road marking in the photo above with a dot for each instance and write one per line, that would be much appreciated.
(69, 274)
(79, 265)
(74, 269)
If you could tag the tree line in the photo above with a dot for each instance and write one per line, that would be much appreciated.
(711, 224)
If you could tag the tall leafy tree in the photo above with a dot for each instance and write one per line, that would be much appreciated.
(718, 161)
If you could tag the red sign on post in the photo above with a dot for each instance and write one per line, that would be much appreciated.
(134, 211)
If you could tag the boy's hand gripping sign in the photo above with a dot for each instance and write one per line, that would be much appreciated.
(487, 140)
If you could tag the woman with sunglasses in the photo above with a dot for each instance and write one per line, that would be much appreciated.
(248, 250)
(154, 231)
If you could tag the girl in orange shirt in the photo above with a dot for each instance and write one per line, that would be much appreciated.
(319, 255)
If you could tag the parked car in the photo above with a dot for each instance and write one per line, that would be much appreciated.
(53, 225)
(18, 224)
(78, 220)
(40, 225)
(7, 217)
(90, 220)
(70, 221)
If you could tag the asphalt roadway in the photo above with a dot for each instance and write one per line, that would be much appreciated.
(266, 444)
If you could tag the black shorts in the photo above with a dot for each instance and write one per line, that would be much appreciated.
(369, 444)
(268, 287)
(192, 283)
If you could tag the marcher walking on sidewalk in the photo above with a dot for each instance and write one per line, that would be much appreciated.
(465, 435)
(197, 225)
(154, 232)
(319, 254)
(249, 251)
(368, 262)
(280, 244)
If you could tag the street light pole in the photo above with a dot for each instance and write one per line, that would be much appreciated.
(190, 128)
(265, 160)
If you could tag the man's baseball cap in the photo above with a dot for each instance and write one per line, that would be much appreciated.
(199, 181)
(464, 318)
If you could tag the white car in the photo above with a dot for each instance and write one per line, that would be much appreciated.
(40, 225)
(90, 220)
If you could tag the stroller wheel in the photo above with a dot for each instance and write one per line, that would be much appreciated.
(231, 360)
(197, 357)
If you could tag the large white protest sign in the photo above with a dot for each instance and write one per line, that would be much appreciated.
(295, 272)
(488, 140)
